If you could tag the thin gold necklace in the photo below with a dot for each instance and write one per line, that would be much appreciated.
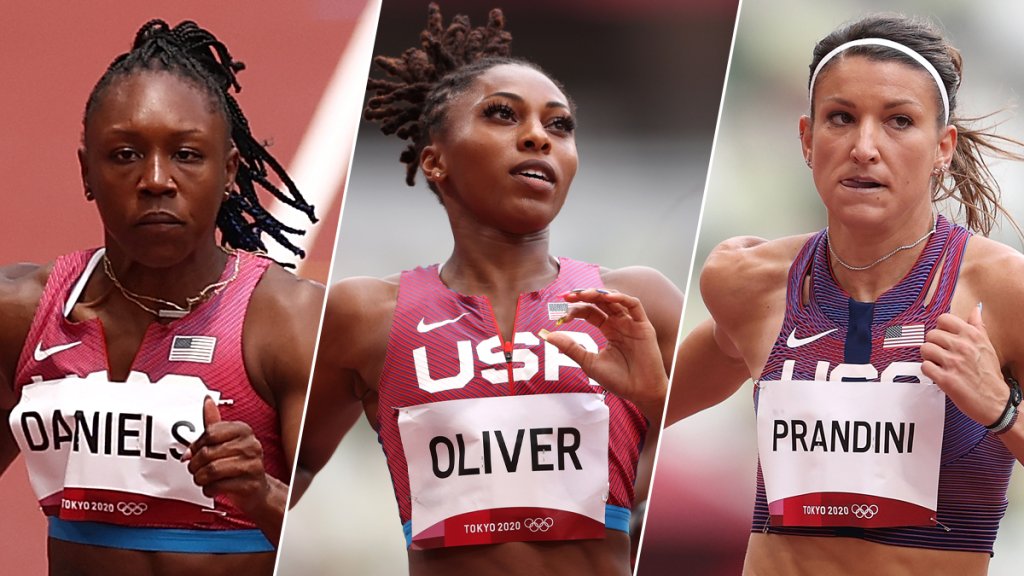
(170, 309)
(899, 249)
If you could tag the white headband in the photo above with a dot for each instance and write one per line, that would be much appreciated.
(895, 46)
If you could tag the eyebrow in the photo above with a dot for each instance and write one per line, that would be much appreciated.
(185, 132)
(518, 98)
(888, 105)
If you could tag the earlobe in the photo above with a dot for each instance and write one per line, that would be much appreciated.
(232, 166)
(83, 167)
(805, 135)
(947, 145)
(432, 164)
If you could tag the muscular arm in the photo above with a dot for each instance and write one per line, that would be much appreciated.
(705, 374)
(21, 287)
(356, 326)
(278, 339)
(301, 318)
(743, 284)
(973, 348)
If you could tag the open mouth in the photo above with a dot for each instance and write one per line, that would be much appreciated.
(862, 183)
(538, 170)
(536, 175)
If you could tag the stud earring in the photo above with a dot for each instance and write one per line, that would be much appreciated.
(89, 195)
(808, 162)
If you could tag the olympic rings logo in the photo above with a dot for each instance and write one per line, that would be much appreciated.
(539, 524)
(864, 511)
(132, 508)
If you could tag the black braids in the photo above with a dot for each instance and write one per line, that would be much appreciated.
(411, 101)
(197, 55)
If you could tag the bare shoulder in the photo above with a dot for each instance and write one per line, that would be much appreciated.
(357, 323)
(992, 268)
(644, 282)
(362, 300)
(21, 288)
(282, 292)
(742, 270)
(661, 299)
(993, 273)
(279, 331)
(23, 282)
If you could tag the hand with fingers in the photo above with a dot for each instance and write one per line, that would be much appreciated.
(631, 365)
(227, 460)
(959, 357)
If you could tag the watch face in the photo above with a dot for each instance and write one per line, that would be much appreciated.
(1015, 392)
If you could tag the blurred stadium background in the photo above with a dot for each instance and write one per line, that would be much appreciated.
(702, 499)
(647, 78)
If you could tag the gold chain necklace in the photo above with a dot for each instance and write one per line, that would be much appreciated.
(828, 240)
(172, 310)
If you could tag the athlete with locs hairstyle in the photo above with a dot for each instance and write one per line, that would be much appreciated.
(884, 348)
(155, 385)
(505, 457)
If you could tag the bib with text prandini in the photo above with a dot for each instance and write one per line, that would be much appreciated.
(862, 454)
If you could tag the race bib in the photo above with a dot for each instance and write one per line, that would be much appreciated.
(520, 468)
(110, 451)
(862, 454)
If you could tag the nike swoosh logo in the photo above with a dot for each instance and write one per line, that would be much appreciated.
(794, 342)
(43, 353)
(423, 327)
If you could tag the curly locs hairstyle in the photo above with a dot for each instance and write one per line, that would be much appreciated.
(412, 103)
(196, 55)
(968, 180)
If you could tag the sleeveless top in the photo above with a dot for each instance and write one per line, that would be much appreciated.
(68, 413)
(975, 465)
(447, 342)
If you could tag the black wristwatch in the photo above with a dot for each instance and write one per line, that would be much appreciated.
(1009, 416)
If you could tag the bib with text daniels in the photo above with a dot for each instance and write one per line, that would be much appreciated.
(507, 469)
(111, 451)
(863, 454)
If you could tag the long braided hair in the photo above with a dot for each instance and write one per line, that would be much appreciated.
(193, 53)
(412, 102)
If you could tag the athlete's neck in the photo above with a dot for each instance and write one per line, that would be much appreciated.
(489, 262)
(860, 247)
(184, 277)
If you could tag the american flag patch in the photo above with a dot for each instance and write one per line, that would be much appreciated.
(192, 349)
(903, 336)
(557, 310)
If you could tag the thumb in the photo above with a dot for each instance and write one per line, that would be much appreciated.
(570, 347)
(211, 414)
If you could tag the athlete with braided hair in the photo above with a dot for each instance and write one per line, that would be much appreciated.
(504, 456)
(155, 385)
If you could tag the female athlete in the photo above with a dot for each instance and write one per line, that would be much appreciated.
(155, 385)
